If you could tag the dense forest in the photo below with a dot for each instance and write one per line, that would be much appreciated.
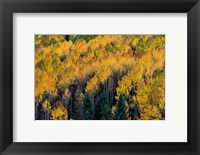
(99, 77)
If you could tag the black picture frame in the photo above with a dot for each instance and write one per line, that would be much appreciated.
(8, 7)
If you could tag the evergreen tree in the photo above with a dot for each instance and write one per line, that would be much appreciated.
(107, 112)
(121, 109)
(87, 108)
(98, 109)
(102, 108)
(106, 109)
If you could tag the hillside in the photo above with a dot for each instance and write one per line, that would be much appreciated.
(100, 77)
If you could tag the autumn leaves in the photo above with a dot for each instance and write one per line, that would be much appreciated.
(127, 72)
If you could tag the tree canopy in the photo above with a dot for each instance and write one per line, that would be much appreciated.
(100, 77)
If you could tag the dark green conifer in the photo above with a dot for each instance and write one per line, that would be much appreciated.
(87, 108)
(121, 109)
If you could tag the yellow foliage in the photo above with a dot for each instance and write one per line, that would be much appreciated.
(92, 84)
(46, 106)
(153, 59)
(67, 93)
(59, 112)
(59, 63)
(103, 73)
(114, 109)
(151, 96)
(80, 46)
(150, 112)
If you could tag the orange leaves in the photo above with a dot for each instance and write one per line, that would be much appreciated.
(158, 57)
(154, 93)
(80, 46)
(81, 60)
(44, 82)
(94, 44)
(59, 112)
(133, 58)
(92, 84)
(82, 73)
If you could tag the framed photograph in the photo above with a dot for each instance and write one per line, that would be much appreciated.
(99, 77)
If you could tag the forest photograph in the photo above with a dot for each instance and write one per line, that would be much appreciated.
(99, 77)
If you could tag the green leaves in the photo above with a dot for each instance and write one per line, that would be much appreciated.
(74, 38)
(102, 109)
(87, 108)
(120, 109)
(124, 73)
